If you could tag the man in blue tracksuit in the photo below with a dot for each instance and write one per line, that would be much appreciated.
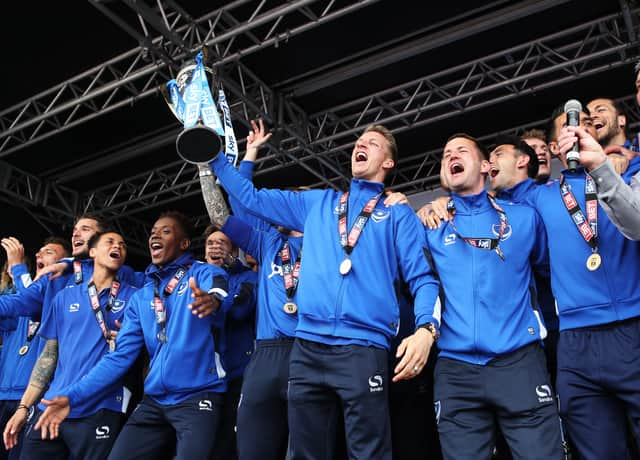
(262, 428)
(238, 335)
(347, 308)
(78, 330)
(491, 366)
(593, 273)
(41, 292)
(186, 378)
(22, 345)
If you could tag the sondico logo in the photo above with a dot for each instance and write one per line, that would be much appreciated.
(544, 393)
(375, 383)
(74, 307)
(205, 404)
(103, 432)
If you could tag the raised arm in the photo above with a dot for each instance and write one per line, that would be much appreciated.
(277, 206)
(212, 195)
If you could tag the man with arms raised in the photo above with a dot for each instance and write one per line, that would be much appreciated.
(347, 307)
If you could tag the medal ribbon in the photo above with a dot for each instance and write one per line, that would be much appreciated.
(158, 305)
(349, 242)
(290, 273)
(77, 271)
(489, 244)
(97, 310)
(588, 227)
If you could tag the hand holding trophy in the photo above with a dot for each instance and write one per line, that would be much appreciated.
(189, 98)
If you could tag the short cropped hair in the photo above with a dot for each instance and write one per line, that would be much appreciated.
(88, 215)
(522, 148)
(534, 134)
(66, 246)
(95, 239)
(183, 221)
(481, 148)
(388, 135)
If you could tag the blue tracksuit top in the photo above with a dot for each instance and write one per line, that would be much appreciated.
(519, 194)
(72, 322)
(488, 309)
(188, 363)
(587, 298)
(271, 319)
(16, 369)
(263, 241)
(41, 292)
(239, 328)
(360, 307)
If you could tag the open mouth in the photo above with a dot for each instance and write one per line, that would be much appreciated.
(494, 172)
(542, 160)
(598, 124)
(115, 255)
(361, 156)
(156, 248)
(456, 168)
(39, 265)
(78, 243)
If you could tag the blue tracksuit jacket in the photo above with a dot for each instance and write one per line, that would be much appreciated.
(361, 307)
(72, 322)
(188, 363)
(488, 309)
(587, 298)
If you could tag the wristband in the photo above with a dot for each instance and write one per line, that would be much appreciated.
(431, 328)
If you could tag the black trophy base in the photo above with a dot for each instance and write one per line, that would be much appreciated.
(198, 144)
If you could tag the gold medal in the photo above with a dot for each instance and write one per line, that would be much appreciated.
(23, 350)
(594, 261)
(290, 308)
(345, 266)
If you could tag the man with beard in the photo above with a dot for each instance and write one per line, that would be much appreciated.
(78, 330)
(184, 386)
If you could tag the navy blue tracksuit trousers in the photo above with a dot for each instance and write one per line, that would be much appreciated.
(512, 391)
(599, 388)
(326, 379)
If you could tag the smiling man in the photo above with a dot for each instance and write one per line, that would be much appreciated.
(491, 332)
(346, 301)
(183, 387)
(78, 329)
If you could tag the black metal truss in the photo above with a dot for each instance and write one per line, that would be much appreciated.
(320, 143)
(232, 31)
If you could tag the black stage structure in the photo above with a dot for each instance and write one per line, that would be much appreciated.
(83, 127)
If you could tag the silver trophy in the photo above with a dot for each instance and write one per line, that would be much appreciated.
(189, 98)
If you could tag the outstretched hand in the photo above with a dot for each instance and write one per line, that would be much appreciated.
(204, 303)
(49, 422)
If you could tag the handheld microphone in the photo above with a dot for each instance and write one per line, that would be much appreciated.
(573, 108)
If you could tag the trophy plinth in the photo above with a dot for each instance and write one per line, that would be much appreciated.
(198, 144)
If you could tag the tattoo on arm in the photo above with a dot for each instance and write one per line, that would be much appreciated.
(45, 365)
(213, 199)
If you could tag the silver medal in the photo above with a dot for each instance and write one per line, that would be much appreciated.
(345, 266)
